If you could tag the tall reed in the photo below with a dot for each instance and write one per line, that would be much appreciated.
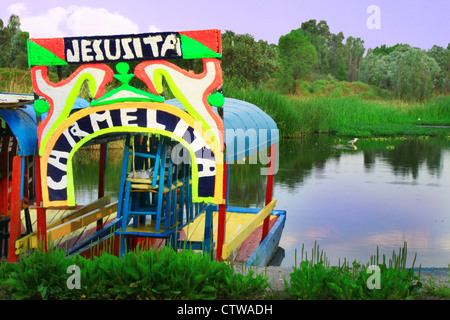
(298, 115)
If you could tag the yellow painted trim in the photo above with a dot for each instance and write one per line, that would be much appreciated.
(30, 240)
(80, 222)
(240, 237)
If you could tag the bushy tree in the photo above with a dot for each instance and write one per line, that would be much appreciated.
(374, 69)
(442, 58)
(297, 57)
(332, 54)
(13, 44)
(408, 71)
(246, 61)
(414, 75)
(338, 56)
(318, 35)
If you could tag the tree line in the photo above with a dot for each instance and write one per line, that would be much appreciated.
(310, 52)
(313, 52)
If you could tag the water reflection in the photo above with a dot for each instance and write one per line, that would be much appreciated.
(382, 194)
(349, 201)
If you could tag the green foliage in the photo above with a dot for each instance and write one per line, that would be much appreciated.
(297, 56)
(242, 286)
(411, 73)
(442, 58)
(318, 35)
(39, 276)
(338, 56)
(332, 54)
(246, 61)
(314, 279)
(437, 288)
(355, 49)
(163, 274)
(384, 50)
(343, 109)
(414, 75)
(13, 44)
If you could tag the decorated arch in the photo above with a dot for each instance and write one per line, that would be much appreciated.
(128, 109)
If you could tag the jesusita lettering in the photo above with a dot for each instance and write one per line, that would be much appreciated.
(119, 48)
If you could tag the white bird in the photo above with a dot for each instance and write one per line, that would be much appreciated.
(352, 141)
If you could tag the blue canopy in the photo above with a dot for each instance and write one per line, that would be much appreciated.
(23, 124)
(248, 129)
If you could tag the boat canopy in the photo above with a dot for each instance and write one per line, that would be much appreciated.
(248, 129)
(23, 123)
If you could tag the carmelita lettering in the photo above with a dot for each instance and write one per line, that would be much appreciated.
(121, 119)
(147, 46)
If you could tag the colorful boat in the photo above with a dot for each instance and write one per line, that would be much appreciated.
(177, 153)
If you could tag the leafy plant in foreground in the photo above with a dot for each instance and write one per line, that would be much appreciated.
(315, 280)
(39, 276)
(141, 274)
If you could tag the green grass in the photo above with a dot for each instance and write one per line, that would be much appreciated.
(168, 274)
(315, 279)
(18, 81)
(340, 89)
(347, 116)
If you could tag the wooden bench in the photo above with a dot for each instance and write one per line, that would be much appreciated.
(76, 220)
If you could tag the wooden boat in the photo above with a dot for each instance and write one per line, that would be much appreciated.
(177, 153)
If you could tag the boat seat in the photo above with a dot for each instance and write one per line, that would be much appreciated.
(156, 200)
(147, 186)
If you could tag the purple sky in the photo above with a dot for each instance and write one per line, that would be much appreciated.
(418, 23)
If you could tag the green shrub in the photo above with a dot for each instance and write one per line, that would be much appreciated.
(163, 274)
(315, 280)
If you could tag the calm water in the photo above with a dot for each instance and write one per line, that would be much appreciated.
(348, 201)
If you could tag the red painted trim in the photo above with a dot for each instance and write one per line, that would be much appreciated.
(54, 45)
(250, 244)
(222, 218)
(269, 188)
(15, 223)
(41, 212)
(4, 169)
(209, 38)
